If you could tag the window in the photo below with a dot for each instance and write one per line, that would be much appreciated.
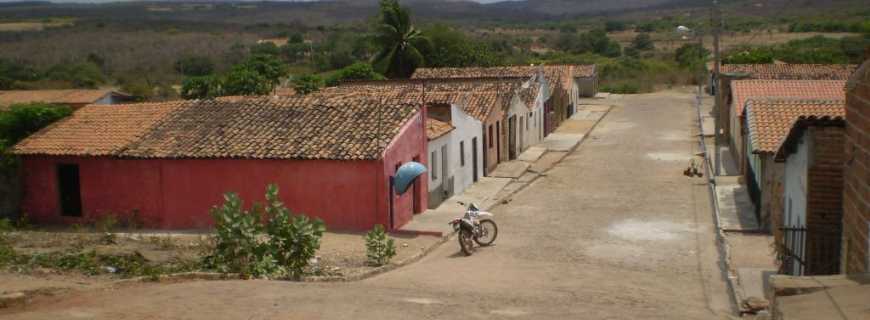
(433, 165)
(490, 136)
(70, 190)
(461, 153)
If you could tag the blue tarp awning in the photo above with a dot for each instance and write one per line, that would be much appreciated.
(406, 175)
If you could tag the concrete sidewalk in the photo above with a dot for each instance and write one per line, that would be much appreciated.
(511, 176)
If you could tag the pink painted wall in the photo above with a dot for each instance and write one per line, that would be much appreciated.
(409, 145)
(178, 193)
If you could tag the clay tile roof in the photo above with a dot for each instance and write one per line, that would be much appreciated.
(478, 96)
(770, 121)
(436, 128)
(744, 90)
(72, 96)
(553, 74)
(584, 71)
(791, 71)
(250, 128)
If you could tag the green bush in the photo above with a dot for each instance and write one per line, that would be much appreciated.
(22, 120)
(356, 71)
(622, 88)
(237, 248)
(307, 83)
(379, 247)
(200, 87)
(293, 240)
(289, 244)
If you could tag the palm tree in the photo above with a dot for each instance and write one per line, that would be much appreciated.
(400, 42)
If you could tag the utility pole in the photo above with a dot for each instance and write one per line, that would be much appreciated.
(717, 92)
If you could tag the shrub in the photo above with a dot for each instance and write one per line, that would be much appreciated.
(379, 247)
(307, 83)
(237, 248)
(356, 71)
(291, 242)
(194, 66)
(622, 88)
(22, 120)
(200, 87)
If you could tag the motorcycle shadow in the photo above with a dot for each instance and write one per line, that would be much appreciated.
(477, 250)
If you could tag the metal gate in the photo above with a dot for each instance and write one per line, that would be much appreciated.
(792, 250)
(813, 252)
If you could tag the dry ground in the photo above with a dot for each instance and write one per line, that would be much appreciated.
(614, 231)
(341, 254)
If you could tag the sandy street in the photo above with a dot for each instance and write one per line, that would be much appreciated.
(615, 231)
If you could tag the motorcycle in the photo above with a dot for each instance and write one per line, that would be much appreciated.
(474, 227)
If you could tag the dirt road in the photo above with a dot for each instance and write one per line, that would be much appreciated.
(615, 231)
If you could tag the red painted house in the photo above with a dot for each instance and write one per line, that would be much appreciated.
(169, 163)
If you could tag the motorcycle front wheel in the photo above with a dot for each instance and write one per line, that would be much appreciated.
(488, 232)
(466, 242)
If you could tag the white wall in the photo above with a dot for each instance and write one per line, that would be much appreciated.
(459, 144)
(795, 193)
(436, 176)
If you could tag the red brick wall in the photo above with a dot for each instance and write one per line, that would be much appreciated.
(856, 202)
(824, 200)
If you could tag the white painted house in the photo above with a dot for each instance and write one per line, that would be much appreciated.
(455, 151)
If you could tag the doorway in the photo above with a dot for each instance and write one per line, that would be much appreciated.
(512, 137)
(474, 158)
(69, 187)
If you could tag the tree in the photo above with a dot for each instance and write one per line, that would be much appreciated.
(399, 41)
(611, 26)
(643, 42)
(265, 48)
(80, 75)
(307, 83)
(594, 41)
(22, 120)
(452, 48)
(296, 38)
(242, 81)
(356, 71)
(194, 66)
(269, 67)
(692, 55)
(204, 87)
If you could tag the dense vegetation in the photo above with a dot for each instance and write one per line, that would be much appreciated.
(159, 51)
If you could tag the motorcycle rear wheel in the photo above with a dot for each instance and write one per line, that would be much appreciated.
(489, 230)
(466, 242)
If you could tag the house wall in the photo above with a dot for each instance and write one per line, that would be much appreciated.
(795, 194)
(520, 111)
(468, 129)
(439, 188)
(409, 145)
(587, 87)
(491, 129)
(856, 200)
(535, 132)
(771, 193)
(824, 200)
(737, 135)
(178, 193)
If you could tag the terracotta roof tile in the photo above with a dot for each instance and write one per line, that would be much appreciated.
(253, 128)
(436, 128)
(584, 71)
(744, 90)
(791, 71)
(553, 74)
(477, 97)
(72, 96)
(771, 120)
